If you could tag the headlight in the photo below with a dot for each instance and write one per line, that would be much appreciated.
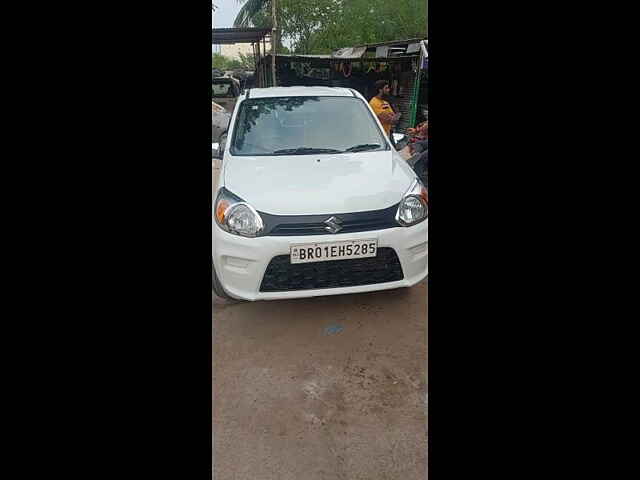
(413, 208)
(236, 216)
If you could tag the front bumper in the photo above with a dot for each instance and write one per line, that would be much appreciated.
(240, 262)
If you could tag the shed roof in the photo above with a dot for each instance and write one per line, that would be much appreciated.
(238, 35)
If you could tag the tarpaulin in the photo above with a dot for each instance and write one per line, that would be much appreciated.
(350, 52)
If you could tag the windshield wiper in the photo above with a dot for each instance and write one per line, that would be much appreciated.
(305, 150)
(363, 147)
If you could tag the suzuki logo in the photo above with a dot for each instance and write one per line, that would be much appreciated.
(333, 225)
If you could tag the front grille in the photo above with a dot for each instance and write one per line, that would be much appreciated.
(281, 275)
(294, 225)
(319, 228)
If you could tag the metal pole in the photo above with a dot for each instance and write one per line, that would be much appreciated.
(255, 64)
(414, 96)
(259, 67)
(265, 77)
(273, 41)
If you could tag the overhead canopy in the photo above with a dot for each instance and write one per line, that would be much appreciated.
(238, 35)
(296, 55)
(381, 50)
(350, 52)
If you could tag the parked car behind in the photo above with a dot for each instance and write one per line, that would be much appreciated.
(219, 121)
(314, 200)
(225, 91)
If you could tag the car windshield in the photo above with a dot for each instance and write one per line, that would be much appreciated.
(305, 125)
(222, 89)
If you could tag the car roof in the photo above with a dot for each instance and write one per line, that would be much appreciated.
(300, 92)
(224, 79)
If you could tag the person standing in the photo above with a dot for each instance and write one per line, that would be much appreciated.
(419, 148)
(382, 108)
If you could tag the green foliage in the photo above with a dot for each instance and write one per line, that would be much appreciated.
(247, 62)
(219, 61)
(358, 22)
(302, 19)
(254, 13)
(321, 26)
(223, 63)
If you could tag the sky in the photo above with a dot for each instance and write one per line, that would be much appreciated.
(224, 15)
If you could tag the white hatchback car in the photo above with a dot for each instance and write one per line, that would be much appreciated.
(313, 200)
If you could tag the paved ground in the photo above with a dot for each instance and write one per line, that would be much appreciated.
(321, 389)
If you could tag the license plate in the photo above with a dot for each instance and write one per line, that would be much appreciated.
(325, 251)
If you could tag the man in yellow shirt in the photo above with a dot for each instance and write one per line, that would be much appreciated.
(381, 106)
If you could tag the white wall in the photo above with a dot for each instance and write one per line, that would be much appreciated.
(233, 50)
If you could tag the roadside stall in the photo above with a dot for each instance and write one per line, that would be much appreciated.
(403, 63)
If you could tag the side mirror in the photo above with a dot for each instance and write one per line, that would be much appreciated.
(217, 149)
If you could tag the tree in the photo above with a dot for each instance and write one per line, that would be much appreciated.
(233, 64)
(224, 63)
(297, 19)
(252, 13)
(257, 13)
(358, 22)
(246, 62)
(302, 19)
(321, 26)
(219, 61)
